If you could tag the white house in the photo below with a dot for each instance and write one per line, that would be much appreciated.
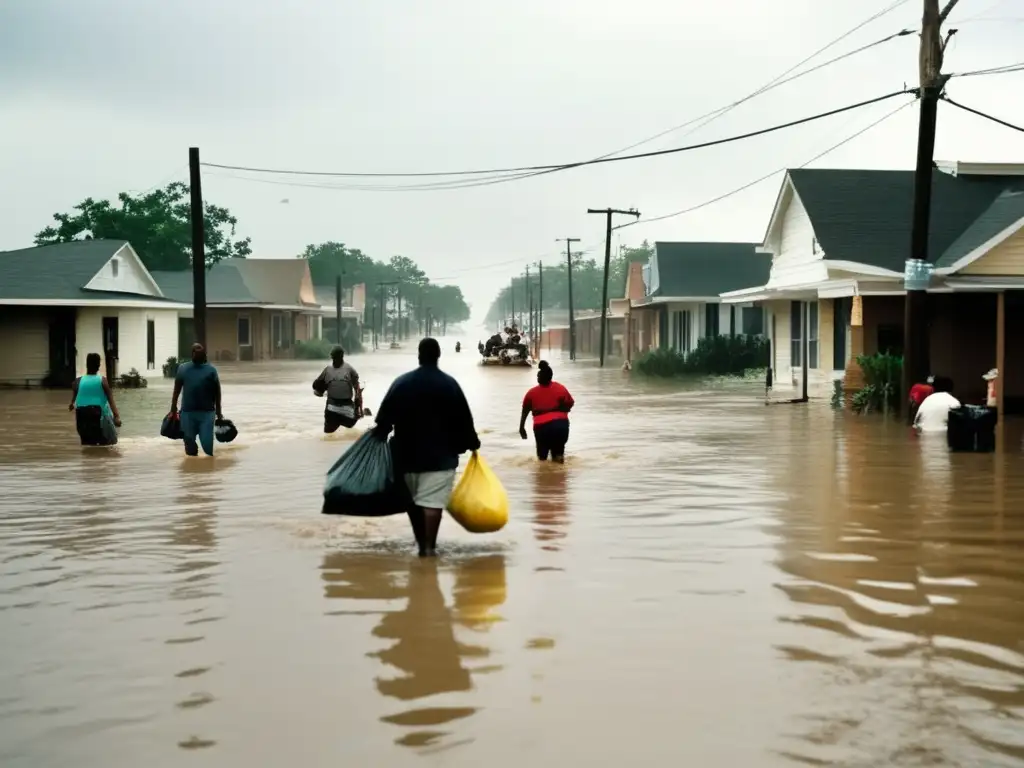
(682, 287)
(60, 302)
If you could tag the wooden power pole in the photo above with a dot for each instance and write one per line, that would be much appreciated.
(540, 305)
(608, 213)
(198, 248)
(572, 320)
(337, 308)
(918, 268)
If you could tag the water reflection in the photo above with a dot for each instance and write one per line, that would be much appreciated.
(430, 660)
(550, 502)
(894, 578)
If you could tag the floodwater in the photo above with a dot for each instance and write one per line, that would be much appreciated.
(708, 581)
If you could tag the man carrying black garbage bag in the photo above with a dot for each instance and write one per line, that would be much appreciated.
(433, 426)
(340, 382)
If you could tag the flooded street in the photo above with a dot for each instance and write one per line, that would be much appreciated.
(706, 582)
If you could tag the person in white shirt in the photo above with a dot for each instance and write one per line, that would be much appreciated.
(933, 415)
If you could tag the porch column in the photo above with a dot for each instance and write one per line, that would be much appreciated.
(1001, 368)
(853, 376)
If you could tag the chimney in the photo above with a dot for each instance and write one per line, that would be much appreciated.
(635, 281)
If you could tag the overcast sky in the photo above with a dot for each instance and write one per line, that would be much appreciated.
(100, 96)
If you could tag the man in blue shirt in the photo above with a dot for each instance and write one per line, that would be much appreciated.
(433, 425)
(199, 386)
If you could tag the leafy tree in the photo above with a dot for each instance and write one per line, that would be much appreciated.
(385, 282)
(157, 224)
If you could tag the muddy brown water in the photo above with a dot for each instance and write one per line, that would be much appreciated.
(706, 582)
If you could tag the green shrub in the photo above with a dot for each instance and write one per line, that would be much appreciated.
(882, 375)
(314, 349)
(171, 367)
(132, 380)
(714, 356)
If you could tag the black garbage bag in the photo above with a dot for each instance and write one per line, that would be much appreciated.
(171, 427)
(363, 483)
(224, 430)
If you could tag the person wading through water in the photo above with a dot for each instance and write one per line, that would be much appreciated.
(92, 401)
(433, 426)
(198, 385)
(340, 382)
(550, 403)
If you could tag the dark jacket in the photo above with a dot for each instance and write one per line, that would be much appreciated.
(431, 420)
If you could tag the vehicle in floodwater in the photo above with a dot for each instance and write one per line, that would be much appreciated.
(503, 351)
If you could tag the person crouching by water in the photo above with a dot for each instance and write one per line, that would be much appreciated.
(550, 403)
(918, 393)
(433, 425)
(92, 400)
(198, 385)
(340, 382)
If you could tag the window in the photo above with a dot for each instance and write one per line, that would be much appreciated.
(681, 331)
(114, 266)
(244, 331)
(711, 318)
(753, 321)
(812, 334)
(151, 344)
(796, 347)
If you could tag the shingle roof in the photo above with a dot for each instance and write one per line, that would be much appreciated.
(58, 271)
(865, 216)
(224, 285)
(275, 281)
(708, 269)
(1004, 212)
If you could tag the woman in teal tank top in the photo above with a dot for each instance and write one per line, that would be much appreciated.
(96, 415)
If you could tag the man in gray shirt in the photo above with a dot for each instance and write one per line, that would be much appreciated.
(340, 382)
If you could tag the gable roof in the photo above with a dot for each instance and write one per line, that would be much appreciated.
(1005, 212)
(277, 281)
(60, 272)
(224, 285)
(865, 216)
(707, 269)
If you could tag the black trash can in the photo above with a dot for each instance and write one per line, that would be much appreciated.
(972, 429)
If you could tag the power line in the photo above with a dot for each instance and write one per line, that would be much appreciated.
(987, 116)
(767, 176)
(538, 170)
(781, 79)
(1003, 70)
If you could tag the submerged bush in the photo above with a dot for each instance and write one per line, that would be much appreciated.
(314, 349)
(882, 376)
(714, 356)
(171, 367)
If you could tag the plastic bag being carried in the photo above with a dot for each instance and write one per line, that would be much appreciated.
(171, 427)
(479, 502)
(108, 427)
(362, 482)
(224, 430)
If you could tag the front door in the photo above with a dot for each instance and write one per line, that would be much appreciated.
(110, 346)
(62, 348)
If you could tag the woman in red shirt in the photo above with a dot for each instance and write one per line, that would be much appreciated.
(550, 403)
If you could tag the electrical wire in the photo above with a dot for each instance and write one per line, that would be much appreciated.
(1003, 70)
(979, 113)
(707, 117)
(620, 158)
(767, 176)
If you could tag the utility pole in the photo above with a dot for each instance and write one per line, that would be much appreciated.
(918, 269)
(528, 328)
(198, 248)
(608, 213)
(444, 323)
(337, 307)
(540, 306)
(400, 334)
(512, 300)
(572, 321)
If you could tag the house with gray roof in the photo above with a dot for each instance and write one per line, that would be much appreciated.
(257, 309)
(681, 299)
(837, 242)
(60, 302)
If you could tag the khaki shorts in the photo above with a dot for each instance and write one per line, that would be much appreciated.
(431, 490)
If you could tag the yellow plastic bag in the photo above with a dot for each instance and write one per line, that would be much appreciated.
(479, 502)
